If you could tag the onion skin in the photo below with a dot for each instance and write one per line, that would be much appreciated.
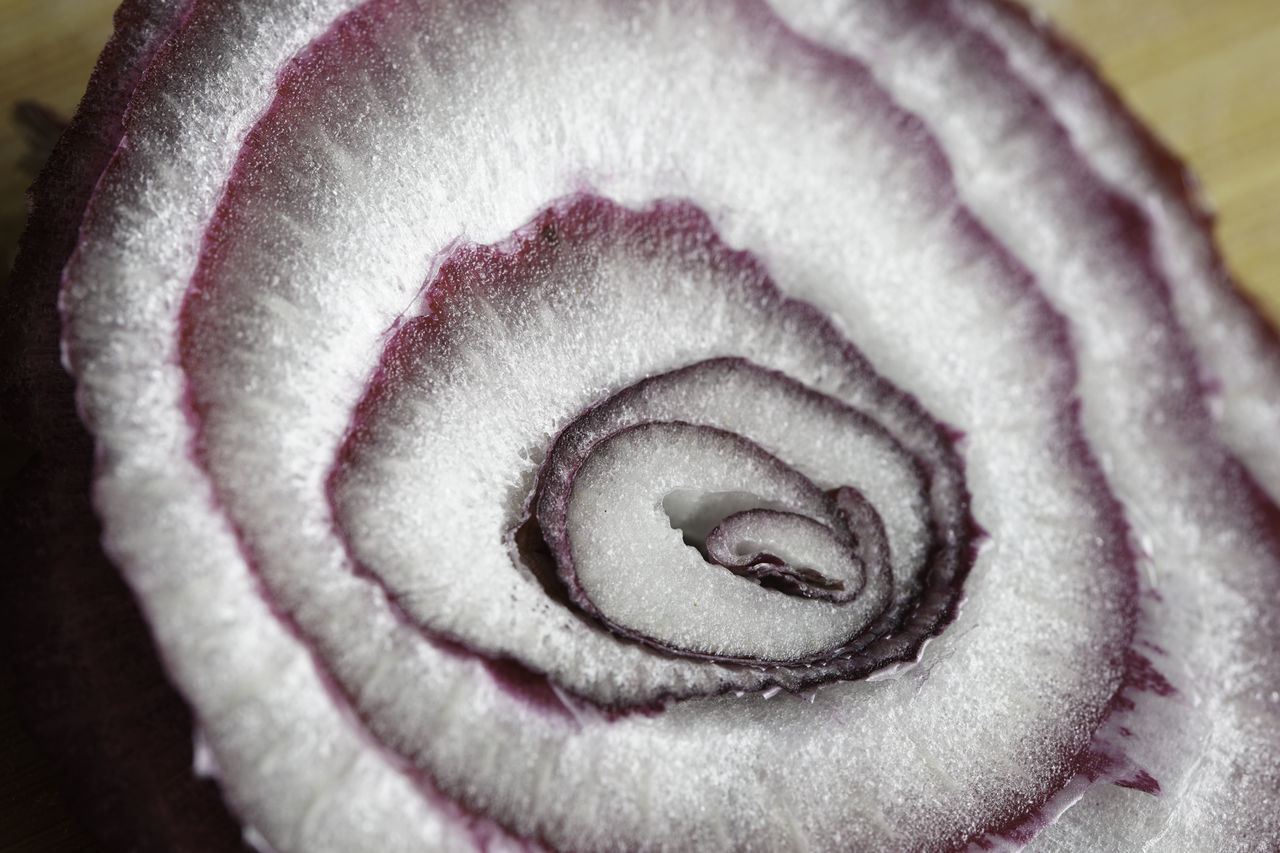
(92, 686)
(53, 500)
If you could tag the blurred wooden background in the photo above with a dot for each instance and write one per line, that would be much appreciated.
(1206, 76)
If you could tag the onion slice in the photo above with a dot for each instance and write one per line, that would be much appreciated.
(708, 425)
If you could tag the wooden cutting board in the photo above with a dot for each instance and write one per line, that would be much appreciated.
(1206, 76)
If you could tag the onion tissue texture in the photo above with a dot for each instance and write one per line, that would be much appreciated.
(679, 425)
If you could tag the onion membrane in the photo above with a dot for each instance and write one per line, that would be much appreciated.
(682, 425)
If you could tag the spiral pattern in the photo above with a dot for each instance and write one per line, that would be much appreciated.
(676, 426)
(687, 455)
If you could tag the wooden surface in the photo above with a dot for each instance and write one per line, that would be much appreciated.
(1206, 76)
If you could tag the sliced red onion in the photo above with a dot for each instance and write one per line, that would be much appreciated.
(572, 428)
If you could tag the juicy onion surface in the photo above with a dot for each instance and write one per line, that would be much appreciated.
(677, 425)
